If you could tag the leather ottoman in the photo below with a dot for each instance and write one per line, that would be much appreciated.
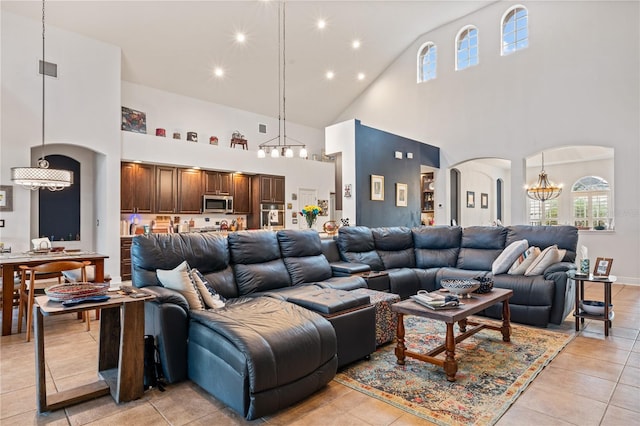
(386, 320)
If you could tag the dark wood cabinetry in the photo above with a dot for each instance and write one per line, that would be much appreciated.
(166, 195)
(189, 191)
(218, 183)
(241, 194)
(125, 258)
(137, 188)
(428, 198)
(271, 189)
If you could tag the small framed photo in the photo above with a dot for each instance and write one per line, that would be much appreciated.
(401, 194)
(484, 200)
(6, 198)
(471, 199)
(377, 188)
(602, 267)
(347, 190)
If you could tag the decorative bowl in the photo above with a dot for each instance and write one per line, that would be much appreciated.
(63, 292)
(594, 307)
(330, 227)
(460, 286)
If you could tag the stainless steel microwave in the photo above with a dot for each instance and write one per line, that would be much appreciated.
(217, 204)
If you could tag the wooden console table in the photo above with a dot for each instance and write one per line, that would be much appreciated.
(120, 356)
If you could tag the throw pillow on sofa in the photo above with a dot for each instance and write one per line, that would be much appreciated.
(209, 296)
(523, 261)
(548, 257)
(179, 279)
(508, 256)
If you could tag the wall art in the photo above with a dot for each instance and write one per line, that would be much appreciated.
(471, 199)
(401, 194)
(134, 121)
(6, 198)
(484, 200)
(377, 188)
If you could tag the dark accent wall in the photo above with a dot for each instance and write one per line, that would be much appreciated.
(375, 151)
(59, 212)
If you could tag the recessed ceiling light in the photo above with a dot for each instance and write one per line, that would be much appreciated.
(322, 23)
(241, 38)
(330, 75)
(355, 44)
(218, 72)
(361, 76)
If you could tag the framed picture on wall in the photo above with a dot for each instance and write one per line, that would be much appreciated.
(377, 188)
(401, 194)
(134, 121)
(471, 199)
(6, 198)
(484, 201)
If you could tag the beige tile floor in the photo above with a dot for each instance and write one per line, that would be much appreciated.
(593, 381)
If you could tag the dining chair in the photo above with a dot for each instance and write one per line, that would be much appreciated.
(27, 292)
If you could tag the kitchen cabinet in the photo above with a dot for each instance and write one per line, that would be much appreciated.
(241, 194)
(271, 189)
(125, 258)
(166, 189)
(218, 183)
(189, 191)
(137, 188)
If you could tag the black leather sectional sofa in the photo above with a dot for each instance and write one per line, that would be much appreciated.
(290, 318)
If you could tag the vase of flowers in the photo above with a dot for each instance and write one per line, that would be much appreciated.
(310, 213)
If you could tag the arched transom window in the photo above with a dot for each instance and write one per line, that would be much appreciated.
(515, 30)
(467, 48)
(427, 60)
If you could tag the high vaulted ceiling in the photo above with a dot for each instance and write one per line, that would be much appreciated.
(174, 46)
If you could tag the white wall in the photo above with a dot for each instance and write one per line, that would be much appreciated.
(576, 84)
(176, 113)
(341, 138)
(82, 110)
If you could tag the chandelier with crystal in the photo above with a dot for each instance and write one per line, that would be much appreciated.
(42, 176)
(543, 190)
(281, 145)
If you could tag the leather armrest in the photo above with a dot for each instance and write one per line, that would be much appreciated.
(344, 269)
(166, 295)
(329, 301)
(559, 267)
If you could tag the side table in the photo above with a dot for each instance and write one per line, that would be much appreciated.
(120, 353)
(578, 313)
(376, 280)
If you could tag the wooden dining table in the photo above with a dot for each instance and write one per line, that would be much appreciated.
(11, 262)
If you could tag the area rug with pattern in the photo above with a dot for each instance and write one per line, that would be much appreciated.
(491, 373)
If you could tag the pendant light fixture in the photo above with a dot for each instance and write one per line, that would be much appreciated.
(543, 190)
(42, 176)
(282, 145)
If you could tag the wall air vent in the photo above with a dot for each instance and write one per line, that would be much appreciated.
(262, 128)
(50, 69)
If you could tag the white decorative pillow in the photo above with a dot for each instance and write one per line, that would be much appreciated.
(508, 256)
(179, 279)
(523, 262)
(209, 296)
(548, 257)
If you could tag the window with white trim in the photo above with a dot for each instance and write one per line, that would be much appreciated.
(546, 213)
(427, 60)
(467, 48)
(515, 30)
(592, 204)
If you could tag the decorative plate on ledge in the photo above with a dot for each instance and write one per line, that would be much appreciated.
(62, 292)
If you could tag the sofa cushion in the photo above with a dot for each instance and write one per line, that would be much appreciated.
(302, 255)
(356, 245)
(522, 263)
(257, 263)
(394, 246)
(480, 246)
(436, 246)
(179, 279)
(329, 301)
(509, 255)
(547, 257)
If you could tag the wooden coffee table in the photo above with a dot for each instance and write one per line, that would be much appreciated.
(460, 315)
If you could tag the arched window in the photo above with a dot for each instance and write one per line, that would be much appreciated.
(592, 205)
(467, 48)
(427, 60)
(515, 30)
